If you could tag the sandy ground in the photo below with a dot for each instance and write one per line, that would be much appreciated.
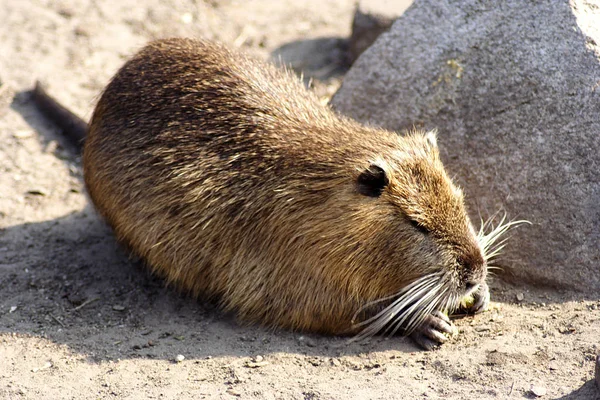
(79, 319)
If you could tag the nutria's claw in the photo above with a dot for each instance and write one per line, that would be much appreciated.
(435, 330)
(482, 299)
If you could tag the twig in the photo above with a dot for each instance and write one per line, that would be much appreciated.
(57, 320)
(85, 303)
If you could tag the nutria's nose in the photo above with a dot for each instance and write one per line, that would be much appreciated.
(473, 268)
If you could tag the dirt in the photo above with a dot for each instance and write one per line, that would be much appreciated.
(81, 319)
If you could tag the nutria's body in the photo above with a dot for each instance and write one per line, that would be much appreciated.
(234, 182)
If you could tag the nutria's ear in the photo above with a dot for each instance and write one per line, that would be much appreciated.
(372, 181)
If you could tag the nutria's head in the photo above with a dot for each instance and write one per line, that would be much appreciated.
(418, 245)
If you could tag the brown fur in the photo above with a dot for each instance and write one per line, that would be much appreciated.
(233, 181)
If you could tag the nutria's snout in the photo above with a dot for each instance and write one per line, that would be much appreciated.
(474, 271)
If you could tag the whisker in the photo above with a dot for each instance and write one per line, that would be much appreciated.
(374, 302)
(379, 322)
(426, 280)
(422, 308)
(414, 323)
(411, 298)
(484, 225)
(489, 241)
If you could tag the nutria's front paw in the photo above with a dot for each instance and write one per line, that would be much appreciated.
(435, 330)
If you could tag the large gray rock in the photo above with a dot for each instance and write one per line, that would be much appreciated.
(514, 90)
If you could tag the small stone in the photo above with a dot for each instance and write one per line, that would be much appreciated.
(234, 392)
(118, 308)
(12, 309)
(23, 134)
(257, 363)
(336, 362)
(538, 391)
(520, 297)
(179, 358)
(43, 367)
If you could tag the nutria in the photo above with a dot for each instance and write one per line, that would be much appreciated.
(232, 181)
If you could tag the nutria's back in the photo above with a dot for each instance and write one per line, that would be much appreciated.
(233, 181)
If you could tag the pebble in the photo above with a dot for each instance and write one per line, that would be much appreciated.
(23, 134)
(520, 297)
(482, 328)
(45, 366)
(257, 362)
(179, 358)
(118, 308)
(538, 391)
(251, 364)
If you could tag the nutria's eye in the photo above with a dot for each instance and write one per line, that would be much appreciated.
(372, 181)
